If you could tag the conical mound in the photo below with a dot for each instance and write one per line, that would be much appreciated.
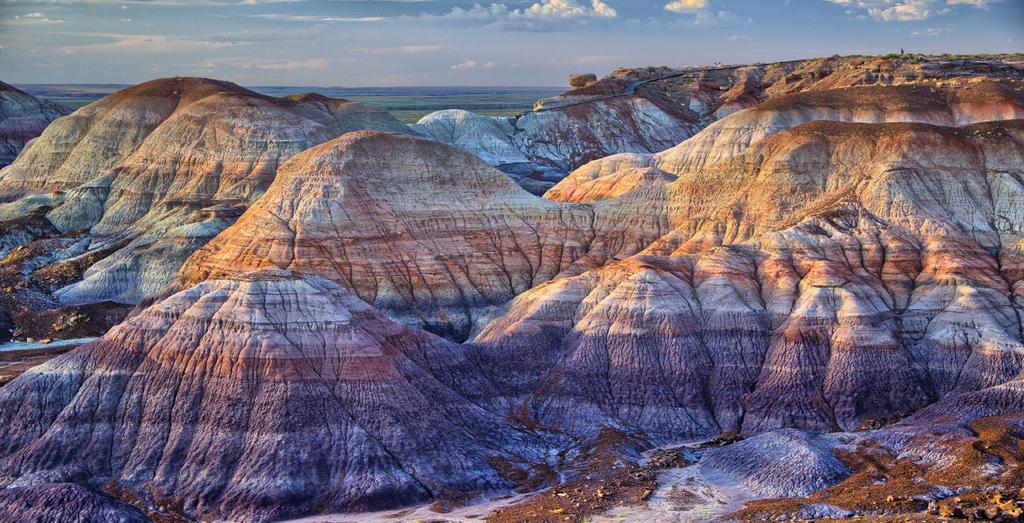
(263, 396)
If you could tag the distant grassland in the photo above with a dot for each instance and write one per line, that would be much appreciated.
(408, 104)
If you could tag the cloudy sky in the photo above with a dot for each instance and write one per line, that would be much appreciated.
(451, 42)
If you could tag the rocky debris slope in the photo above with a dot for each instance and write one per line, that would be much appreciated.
(879, 273)
(784, 463)
(263, 396)
(158, 169)
(425, 232)
(22, 118)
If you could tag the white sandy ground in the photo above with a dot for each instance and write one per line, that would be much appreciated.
(471, 513)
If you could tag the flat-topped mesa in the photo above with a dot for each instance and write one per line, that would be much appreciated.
(867, 271)
(426, 232)
(22, 118)
(714, 92)
(138, 164)
(264, 396)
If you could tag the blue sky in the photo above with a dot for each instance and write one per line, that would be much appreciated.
(449, 42)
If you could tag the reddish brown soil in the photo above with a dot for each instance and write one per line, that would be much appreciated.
(602, 477)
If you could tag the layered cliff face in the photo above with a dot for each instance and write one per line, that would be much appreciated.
(423, 231)
(869, 270)
(22, 118)
(153, 168)
(258, 397)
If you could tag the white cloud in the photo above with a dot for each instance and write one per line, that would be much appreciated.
(473, 64)
(539, 16)
(976, 3)
(700, 14)
(930, 31)
(142, 44)
(408, 49)
(568, 9)
(906, 10)
(890, 10)
(313, 18)
(293, 65)
(681, 6)
(220, 65)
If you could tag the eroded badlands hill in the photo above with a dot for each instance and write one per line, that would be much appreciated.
(22, 118)
(259, 397)
(423, 231)
(897, 284)
(840, 257)
(125, 189)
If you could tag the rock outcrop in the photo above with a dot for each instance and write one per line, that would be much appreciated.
(571, 134)
(22, 118)
(260, 397)
(581, 80)
(160, 168)
(425, 232)
(711, 93)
